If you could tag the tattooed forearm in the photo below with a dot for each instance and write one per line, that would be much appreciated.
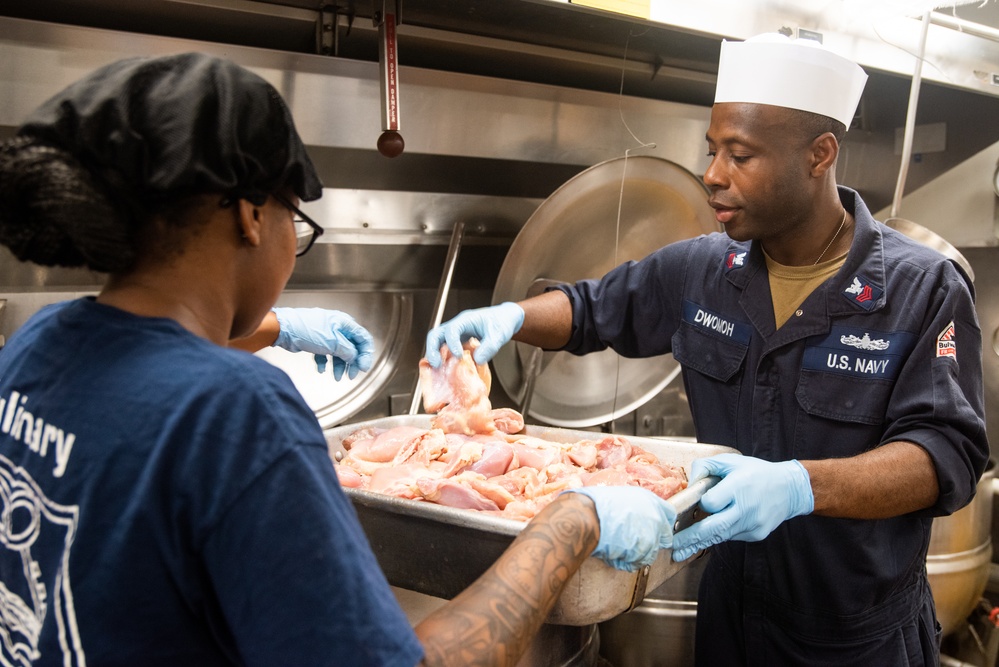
(493, 621)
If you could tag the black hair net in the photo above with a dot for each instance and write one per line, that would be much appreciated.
(189, 123)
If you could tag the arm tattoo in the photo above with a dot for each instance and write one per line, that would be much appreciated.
(493, 621)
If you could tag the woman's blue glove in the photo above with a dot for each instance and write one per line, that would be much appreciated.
(634, 525)
(752, 499)
(493, 326)
(326, 332)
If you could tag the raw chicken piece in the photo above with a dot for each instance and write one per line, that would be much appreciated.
(508, 420)
(612, 450)
(535, 454)
(458, 392)
(454, 492)
(469, 452)
(362, 434)
(520, 482)
(400, 481)
(385, 446)
(458, 380)
(606, 477)
(497, 457)
(493, 491)
(349, 478)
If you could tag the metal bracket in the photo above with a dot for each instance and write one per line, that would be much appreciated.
(641, 584)
(381, 7)
(327, 35)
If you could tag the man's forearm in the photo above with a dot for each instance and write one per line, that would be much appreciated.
(890, 480)
(547, 320)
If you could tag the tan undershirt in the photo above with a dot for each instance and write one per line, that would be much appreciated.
(791, 285)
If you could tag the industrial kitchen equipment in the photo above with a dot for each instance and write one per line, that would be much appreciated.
(616, 211)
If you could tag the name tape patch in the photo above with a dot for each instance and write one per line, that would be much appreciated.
(706, 320)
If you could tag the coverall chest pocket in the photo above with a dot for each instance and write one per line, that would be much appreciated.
(713, 372)
(840, 415)
(843, 398)
(710, 355)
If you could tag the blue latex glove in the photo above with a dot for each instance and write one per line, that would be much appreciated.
(493, 326)
(634, 525)
(326, 332)
(752, 499)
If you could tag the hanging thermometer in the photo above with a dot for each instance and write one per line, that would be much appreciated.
(390, 143)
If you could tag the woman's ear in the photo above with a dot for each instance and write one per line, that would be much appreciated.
(249, 220)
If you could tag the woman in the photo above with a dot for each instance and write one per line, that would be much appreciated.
(167, 500)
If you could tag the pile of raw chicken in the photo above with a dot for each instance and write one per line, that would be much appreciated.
(473, 456)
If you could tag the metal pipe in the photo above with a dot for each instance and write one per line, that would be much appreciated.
(963, 25)
(442, 292)
(910, 118)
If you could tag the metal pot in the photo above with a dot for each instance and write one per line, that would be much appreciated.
(959, 556)
(660, 631)
(619, 210)
(933, 240)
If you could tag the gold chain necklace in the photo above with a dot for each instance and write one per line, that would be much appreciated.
(833, 239)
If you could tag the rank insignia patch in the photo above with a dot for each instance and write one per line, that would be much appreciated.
(863, 292)
(946, 345)
(735, 259)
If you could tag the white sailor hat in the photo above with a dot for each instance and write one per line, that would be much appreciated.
(797, 74)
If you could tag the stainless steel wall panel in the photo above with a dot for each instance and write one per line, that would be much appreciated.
(335, 101)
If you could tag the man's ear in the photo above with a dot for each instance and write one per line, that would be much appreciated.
(825, 150)
(249, 220)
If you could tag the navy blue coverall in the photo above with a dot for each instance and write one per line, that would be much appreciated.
(888, 349)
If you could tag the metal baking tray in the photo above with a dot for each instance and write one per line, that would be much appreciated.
(439, 551)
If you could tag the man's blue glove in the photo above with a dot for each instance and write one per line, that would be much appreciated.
(493, 326)
(634, 525)
(326, 332)
(752, 499)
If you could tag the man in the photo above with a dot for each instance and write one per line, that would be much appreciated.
(841, 358)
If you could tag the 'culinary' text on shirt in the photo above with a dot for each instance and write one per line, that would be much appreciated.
(17, 422)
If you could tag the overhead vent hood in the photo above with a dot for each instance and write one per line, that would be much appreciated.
(672, 57)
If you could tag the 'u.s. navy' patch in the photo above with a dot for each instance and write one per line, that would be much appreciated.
(863, 292)
(859, 352)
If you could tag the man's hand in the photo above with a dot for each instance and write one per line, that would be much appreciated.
(493, 326)
(752, 499)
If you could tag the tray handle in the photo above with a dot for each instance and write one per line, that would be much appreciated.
(687, 513)
(687, 510)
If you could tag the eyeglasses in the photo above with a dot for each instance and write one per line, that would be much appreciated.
(307, 230)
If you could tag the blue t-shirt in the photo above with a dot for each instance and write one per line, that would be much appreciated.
(166, 501)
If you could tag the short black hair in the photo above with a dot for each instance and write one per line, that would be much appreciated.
(811, 125)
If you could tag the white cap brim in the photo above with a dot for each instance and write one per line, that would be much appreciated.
(799, 74)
